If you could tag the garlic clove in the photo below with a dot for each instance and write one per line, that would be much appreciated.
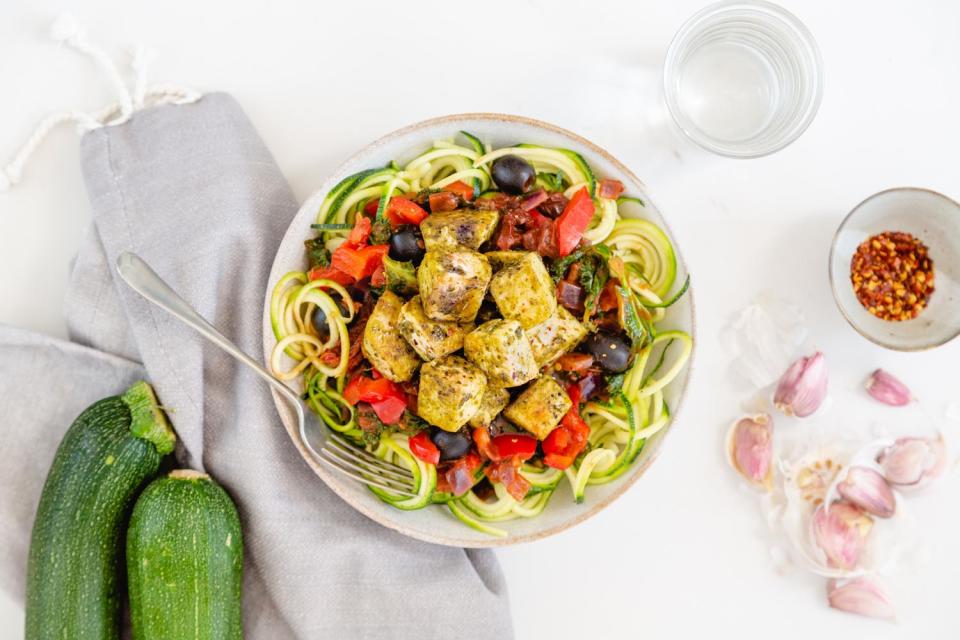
(803, 387)
(750, 449)
(913, 463)
(841, 533)
(867, 489)
(884, 388)
(862, 596)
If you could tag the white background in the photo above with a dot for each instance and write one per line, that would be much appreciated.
(681, 554)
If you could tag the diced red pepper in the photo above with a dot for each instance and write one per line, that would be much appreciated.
(574, 221)
(399, 210)
(386, 397)
(330, 273)
(358, 263)
(481, 437)
(562, 446)
(509, 445)
(360, 232)
(460, 188)
(610, 189)
(422, 447)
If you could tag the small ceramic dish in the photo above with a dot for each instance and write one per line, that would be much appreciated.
(436, 524)
(934, 219)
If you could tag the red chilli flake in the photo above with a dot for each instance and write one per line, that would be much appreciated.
(892, 275)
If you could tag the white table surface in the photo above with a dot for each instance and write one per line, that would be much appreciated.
(679, 555)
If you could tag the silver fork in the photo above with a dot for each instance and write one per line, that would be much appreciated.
(334, 451)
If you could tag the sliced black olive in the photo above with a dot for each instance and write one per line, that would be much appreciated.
(406, 244)
(513, 174)
(452, 445)
(612, 351)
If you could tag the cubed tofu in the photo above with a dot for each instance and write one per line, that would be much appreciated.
(501, 349)
(450, 229)
(524, 291)
(431, 339)
(539, 408)
(382, 343)
(555, 336)
(493, 402)
(452, 284)
(451, 392)
(499, 259)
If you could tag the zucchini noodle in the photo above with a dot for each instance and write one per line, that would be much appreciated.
(619, 427)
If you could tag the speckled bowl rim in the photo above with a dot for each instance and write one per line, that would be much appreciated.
(834, 284)
(334, 482)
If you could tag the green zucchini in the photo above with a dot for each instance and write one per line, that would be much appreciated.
(185, 561)
(75, 561)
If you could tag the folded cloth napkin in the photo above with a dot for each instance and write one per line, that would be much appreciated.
(194, 191)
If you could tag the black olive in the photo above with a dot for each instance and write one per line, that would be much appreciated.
(612, 351)
(452, 445)
(513, 174)
(320, 320)
(406, 244)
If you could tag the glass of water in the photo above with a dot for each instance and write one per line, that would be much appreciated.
(743, 78)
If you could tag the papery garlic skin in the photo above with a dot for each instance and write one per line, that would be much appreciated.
(862, 596)
(868, 490)
(803, 388)
(885, 388)
(913, 463)
(841, 533)
(750, 448)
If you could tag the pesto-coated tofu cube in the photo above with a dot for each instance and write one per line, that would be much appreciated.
(382, 343)
(451, 392)
(499, 259)
(493, 402)
(539, 408)
(524, 291)
(431, 339)
(452, 284)
(555, 336)
(450, 229)
(501, 349)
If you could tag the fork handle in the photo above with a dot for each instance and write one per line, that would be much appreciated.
(144, 280)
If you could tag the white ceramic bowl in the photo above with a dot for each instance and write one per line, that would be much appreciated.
(934, 219)
(436, 524)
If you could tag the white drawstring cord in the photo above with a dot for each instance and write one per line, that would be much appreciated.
(66, 30)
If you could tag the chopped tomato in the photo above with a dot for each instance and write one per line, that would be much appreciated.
(422, 447)
(442, 201)
(509, 445)
(568, 439)
(379, 277)
(610, 189)
(399, 210)
(574, 221)
(573, 392)
(360, 232)
(358, 263)
(387, 398)
(460, 188)
(330, 273)
(458, 478)
(507, 473)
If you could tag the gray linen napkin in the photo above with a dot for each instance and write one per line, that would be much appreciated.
(194, 191)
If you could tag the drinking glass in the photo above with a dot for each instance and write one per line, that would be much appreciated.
(743, 78)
